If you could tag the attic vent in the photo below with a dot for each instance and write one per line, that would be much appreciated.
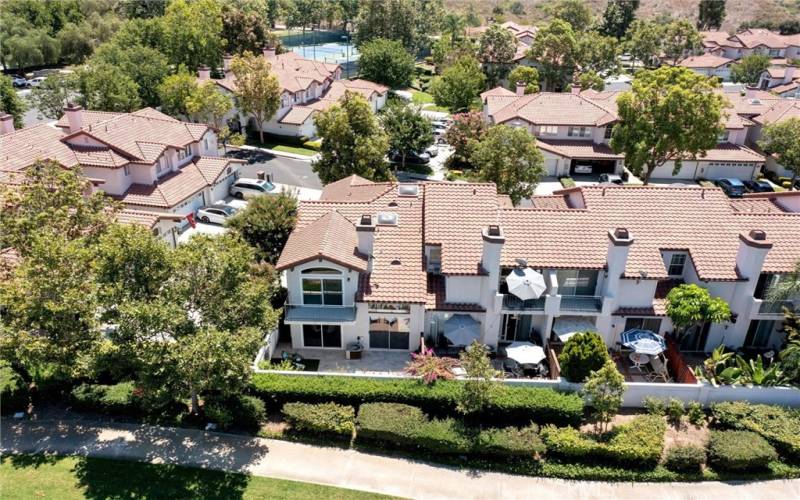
(493, 230)
(408, 190)
(366, 220)
(755, 101)
(392, 203)
(387, 218)
(395, 262)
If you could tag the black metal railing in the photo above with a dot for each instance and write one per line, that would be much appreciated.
(517, 304)
(582, 303)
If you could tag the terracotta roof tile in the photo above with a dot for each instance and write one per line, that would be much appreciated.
(578, 149)
(549, 108)
(354, 189)
(705, 61)
(330, 237)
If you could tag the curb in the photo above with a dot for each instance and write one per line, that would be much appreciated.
(281, 153)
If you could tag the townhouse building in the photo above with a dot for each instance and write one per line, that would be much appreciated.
(307, 87)
(573, 131)
(161, 169)
(709, 65)
(751, 41)
(387, 264)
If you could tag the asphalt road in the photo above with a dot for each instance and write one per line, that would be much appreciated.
(283, 170)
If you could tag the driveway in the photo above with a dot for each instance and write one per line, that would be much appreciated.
(284, 170)
(339, 467)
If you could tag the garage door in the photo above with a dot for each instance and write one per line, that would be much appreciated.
(190, 206)
(220, 189)
(742, 171)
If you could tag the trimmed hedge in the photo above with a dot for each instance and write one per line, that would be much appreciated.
(327, 418)
(240, 411)
(638, 443)
(13, 390)
(739, 451)
(510, 442)
(116, 399)
(685, 458)
(511, 405)
(778, 425)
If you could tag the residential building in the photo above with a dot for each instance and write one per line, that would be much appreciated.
(385, 264)
(709, 65)
(751, 41)
(780, 111)
(781, 80)
(307, 87)
(160, 168)
(573, 131)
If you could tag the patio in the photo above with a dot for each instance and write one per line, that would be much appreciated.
(371, 362)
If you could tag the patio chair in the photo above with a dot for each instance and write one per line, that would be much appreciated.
(660, 371)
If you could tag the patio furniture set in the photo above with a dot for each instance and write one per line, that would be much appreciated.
(645, 351)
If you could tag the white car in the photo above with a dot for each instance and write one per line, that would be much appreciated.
(215, 214)
(35, 82)
(583, 169)
(247, 188)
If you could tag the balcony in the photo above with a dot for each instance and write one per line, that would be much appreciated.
(516, 304)
(776, 308)
(582, 303)
(320, 314)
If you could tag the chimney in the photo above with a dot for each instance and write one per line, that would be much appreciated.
(6, 123)
(751, 91)
(269, 52)
(575, 89)
(226, 62)
(521, 88)
(619, 245)
(365, 230)
(753, 249)
(788, 74)
(204, 72)
(493, 240)
(74, 117)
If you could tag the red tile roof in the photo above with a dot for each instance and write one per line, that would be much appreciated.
(549, 108)
(355, 189)
(331, 237)
(705, 61)
(578, 149)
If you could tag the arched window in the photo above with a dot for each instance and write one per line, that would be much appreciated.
(322, 286)
(320, 270)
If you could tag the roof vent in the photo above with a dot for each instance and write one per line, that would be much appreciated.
(494, 230)
(392, 204)
(758, 235)
(396, 262)
(387, 218)
(755, 101)
(366, 220)
(622, 233)
(408, 190)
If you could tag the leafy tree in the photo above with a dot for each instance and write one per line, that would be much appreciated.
(207, 104)
(524, 74)
(670, 114)
(497, 49)
(618, 16)
(576, 12)
(458, 85)
(103, 87)
(143, 8)
(24, 46)
(193, 33)
(710, 14)
(230, 138)
(76, 43)
(603, 393)
(597, 53)
(257, 90)
(244, 30)
(689, 306)
(446, 50)
(509, 157)
(645, 41)
(348, 12)
(591, 80)
(174, 91)
(453, 26)
(555, 49)
(681, 40)
(583, 353)
(466, 131)
(387, 62)
(790, 355)
(430, 367)
(50, 96)
(352, 141)
(11, 102)
(144, 66)
(749, 68)
(406, 21)
(408, 130)
(266, 223)
(787, 287)
(480, 386)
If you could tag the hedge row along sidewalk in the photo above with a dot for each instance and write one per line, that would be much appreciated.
(513, 405)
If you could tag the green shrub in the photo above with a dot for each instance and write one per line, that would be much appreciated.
(443, 436)
(513, 405)
(328, 418)
(315, 145)
(217, 412)
(778, 425)
(637, 444)
(510, 442)
(654, 406)
(390, 422)
(739, 451)
(675, 411)
(685, 458)
(695, 413)
(583, 353)
(115, 399)
(13, 390)
(567, 182)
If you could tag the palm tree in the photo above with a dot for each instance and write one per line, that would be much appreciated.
(787, 288)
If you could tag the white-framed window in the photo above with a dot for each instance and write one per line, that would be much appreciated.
(676, 264)
(579, 132)
(329, 336)
(548, 130)
(322, 287)
(185, 152)
(724, 136)
(126, 170)
(608, 131)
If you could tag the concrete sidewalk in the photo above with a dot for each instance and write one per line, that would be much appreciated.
(337, 467)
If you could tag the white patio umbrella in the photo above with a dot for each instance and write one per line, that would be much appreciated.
(462, 329)
(525, 353)
(644, 342)
(526, 283)
(566, 326)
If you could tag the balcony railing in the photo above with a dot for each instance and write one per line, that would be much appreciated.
(517, 304)
(581, 303)
(776, 307)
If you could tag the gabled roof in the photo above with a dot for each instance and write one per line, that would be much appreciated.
(550, 108)
(779, 111)
(330, 237)
(353, 188)
(578, 149)
(705, 61)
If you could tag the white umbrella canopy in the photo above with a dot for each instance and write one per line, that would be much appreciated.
(566, 326)
(462, 329)
(525, 353)
(644, 342)
(526, 283)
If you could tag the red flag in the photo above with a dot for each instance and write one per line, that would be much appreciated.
(191, 220)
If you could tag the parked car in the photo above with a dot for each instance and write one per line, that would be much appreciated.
(35, 82)
(432, 151)
(758, 186)
(583, 169)
(733, 187)
(611, 178)
(439, 127)
(411, 158)
(215, 214)
(247, 188)
(19, 81)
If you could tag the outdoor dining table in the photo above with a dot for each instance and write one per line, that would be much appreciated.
(638, 359)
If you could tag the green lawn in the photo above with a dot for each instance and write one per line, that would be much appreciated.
(40, 476)
(421, 98)
(278, 145)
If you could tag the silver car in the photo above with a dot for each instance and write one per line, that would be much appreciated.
(247, 188)
(215, 214)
